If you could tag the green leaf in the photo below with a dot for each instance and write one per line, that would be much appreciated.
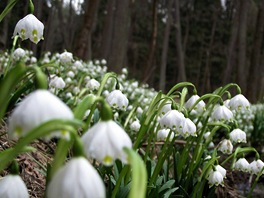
(8, 84)
(7, 9)
(169, 192)
(83, 106)
(139, 175)
(167, 185)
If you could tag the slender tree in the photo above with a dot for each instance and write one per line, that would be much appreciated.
(242, 45)
(107, 30)
(119, 39)
(165, 46)
(84, 43)
(256, 66)
(179, 49)
(149, 68)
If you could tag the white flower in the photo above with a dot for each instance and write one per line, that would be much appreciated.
(71, 74)
(225, 146)
(117, 100)
(68, 95)
(199, 107)
(135, 125)
(38, 107)
(242, 165)
(19, 53)
(105, 141)
(237, 135)
(222, 113)
(165, 108)
(239, 102)
(188, 128)
(33, 60)
(206, 135)
(173, 120)
(57, 82)
(103, 62)
(78, 64)
(29, 27)
(163, 134)
(13, 186)
(211, 145)
(66, 58)
(226, 103)
(124, 70)
(215, 178)
(78, 178)
(221, 170)
(256, 166)
(139, 110)
(93, 84)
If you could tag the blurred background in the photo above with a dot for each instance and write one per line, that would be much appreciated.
(161, 42)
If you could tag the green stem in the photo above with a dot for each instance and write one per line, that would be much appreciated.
(121, 176)
(40, 131)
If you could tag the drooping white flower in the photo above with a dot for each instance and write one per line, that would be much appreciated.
(225, 146)
(124, 70)
(57, 82)
(105, 141)
(206, 135)
(139, 110)
(237, 135)
(211, 145)
(226, 103)
(215, 178)
(66, 58)
(199, 107)
(93, 84)
(163, 134)
(256, 166)
(13, 186)
(173, 120)
(117, 100)
(38, 107)
(103, 62)
(19, 53)
(188, 128)
(222, 113)
(78, 178)
(29, 27)
(239, 102)
(165, 108)
(242, 165)
(135, 125)
(221, 169)
(71, 74)
(78, 64)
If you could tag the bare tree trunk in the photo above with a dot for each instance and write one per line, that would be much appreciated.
(4, 32)
(118, 52)
(83, 48)
(49, 35)
(180, 55)
(242, 44)
(206, 86)
(162, 80)
(231, 56)
(108, 30)
(153, 42)
(254, 71)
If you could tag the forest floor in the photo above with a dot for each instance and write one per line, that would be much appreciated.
(33, 171)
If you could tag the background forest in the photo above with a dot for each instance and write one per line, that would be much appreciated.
(161, 42)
